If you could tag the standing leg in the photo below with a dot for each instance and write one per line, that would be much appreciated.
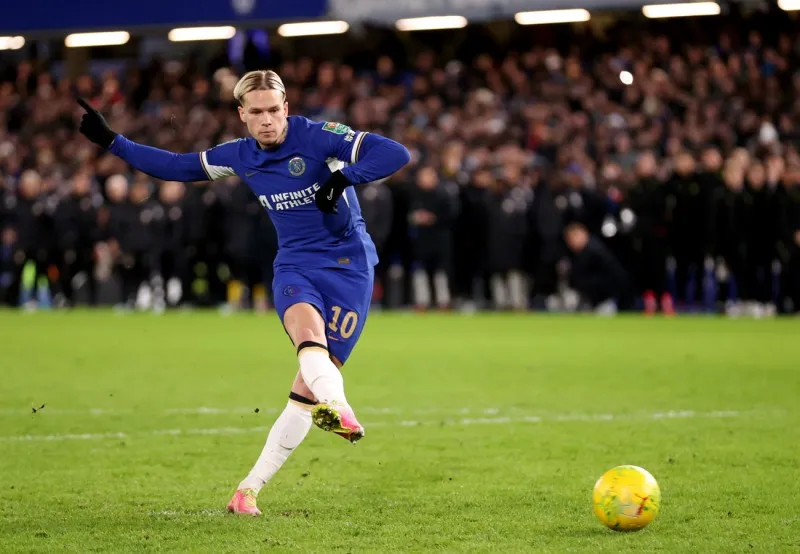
(286, 434)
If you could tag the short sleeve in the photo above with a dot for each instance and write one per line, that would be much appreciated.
(218, 162)
(339, 141)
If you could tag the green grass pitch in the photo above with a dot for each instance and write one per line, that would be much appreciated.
(484, 433)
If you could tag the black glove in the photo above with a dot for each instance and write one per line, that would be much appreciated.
(328, 194)
(94, 126)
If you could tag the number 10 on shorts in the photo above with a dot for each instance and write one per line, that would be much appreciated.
(348, 323)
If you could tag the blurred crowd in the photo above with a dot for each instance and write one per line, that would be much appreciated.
(655, 176)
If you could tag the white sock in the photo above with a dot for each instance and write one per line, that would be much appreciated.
(321, 375)
(286, 434)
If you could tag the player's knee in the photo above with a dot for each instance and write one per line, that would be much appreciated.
(307, 334)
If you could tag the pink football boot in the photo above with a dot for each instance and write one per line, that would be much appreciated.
(244, 502)
(339, 419)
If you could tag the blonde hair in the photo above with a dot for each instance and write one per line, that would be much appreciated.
(257, 80)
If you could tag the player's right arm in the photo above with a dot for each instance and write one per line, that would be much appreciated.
(161, 164)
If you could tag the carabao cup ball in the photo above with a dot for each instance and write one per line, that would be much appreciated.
(626, 498)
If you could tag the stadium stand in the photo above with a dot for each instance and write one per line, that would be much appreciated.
(598, 167)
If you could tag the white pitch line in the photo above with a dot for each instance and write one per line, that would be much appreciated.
(176, 514)
(205, 410)
(553, 418)
(66, 437)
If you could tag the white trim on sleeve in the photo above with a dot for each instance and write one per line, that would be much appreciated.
(215, 171)
(357, 147)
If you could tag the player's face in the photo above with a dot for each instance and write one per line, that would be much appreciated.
(265, 112)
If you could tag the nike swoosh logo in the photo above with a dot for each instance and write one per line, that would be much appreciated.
(330, 195)
(250, 174)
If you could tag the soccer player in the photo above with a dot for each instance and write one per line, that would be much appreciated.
(303, 174)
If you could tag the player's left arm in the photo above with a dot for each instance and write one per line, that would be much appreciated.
(371, 157)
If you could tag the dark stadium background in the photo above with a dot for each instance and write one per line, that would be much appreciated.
(621, 163)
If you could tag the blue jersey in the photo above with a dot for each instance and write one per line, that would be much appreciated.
(285, 180)
(323, 259)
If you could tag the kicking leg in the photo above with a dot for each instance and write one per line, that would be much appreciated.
(286, 434)
(320, 373)
(307, 331)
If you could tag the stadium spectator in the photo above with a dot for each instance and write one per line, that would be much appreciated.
(377, 208)
(692, 162)
(729, 233)
(599, 279)
(76, 231)
(761, 224)
(171, 263)
(242, 213)
(508, 206)
(430, 216)
(648, 200)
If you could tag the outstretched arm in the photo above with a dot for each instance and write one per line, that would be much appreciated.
(161, 164)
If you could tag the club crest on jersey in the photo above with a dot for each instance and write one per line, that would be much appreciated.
(297, 166)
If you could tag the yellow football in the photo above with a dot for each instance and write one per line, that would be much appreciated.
(626, 498)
